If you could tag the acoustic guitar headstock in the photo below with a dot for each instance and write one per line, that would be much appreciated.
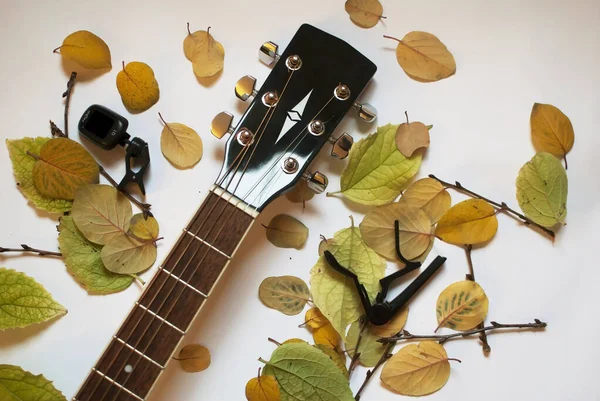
(314, 82)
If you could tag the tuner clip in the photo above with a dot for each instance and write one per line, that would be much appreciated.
(244, 87)
(341, 145)
(365, 111)
(221, 125)
(268, 53)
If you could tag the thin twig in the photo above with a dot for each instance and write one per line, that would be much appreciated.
(55, 131)
(67, 96)
(502, 206)
(442, 338)
(356, 356)
(471, 277)
(144, 207)
(371, 372)
(27, 248)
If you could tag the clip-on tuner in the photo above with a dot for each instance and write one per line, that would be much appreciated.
(107, 129)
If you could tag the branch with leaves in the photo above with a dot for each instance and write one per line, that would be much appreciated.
(502, 206)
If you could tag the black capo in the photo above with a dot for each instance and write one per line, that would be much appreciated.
(383, 311)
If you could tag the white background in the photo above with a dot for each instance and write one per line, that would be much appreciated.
(509, 54)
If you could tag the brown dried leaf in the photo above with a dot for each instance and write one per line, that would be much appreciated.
(194, 358)
(412, 136)
(364, 13)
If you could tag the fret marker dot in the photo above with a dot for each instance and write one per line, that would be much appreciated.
(128, 369)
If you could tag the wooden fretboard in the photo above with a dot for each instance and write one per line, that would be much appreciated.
(138, 353)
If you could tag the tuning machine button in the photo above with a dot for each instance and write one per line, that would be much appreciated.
(316, 181)
(268, 53)
(365, 111)
(244, 87)
(341, 145)
(221, 124)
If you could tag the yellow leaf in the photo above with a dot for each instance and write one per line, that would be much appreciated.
(315, 319)
(412, 136)
(285, 231)
(338, 358)
(125, 255)
(461, 306)
(428, 195)
(364, 13)
(180, 144)
(144, 228)
(424, 57)
(287, 294)
(417, 369)
(206, 54)
(300, 193)
(63, 167)
(377, 230)
(194, 358)
(101, 213)
(327, 335)
(472, 221)
(262, 388)
(293, 340)
(137, 86)
(551, 130)
(87, 50)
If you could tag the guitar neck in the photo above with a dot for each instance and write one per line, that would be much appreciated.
(139, 351)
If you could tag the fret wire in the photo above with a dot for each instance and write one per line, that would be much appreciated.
(183, 282)
(114, 383)
(207, 244)
(160, 318)
(157, 292)
(138, 352)
(223, 209)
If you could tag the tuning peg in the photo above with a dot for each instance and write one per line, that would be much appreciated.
(221, 124)
(366, 112)
(268, 53)
(316, 181)
(341, 145)
(244, 87)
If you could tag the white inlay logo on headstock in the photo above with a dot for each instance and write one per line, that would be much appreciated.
(294, 116)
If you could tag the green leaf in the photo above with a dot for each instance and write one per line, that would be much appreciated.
(285, 231)
(335, 294)
(377, 172)
(287, 294)
(23, 301)
(83, 261)
(17, 384)
(542, 188)
(23, 169)
(124, 254)
(304, 373)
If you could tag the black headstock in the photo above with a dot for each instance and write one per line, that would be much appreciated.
(313, 84)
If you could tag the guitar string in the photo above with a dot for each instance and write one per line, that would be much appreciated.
(141, 318)
(229, 169)
(270, 112)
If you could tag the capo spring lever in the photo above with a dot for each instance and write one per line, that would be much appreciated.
(383, 311)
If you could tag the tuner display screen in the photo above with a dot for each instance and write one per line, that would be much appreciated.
(99, 124)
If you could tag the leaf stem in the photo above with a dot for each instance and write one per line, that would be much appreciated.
(471, 277)
(277, 343)
(188, 28)
(36, 157)
(501, 206)
(27, 248)
(566, 164)
(406, 114)
(393, 38)
(442, 338)
(144, 207)
(67, 96)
